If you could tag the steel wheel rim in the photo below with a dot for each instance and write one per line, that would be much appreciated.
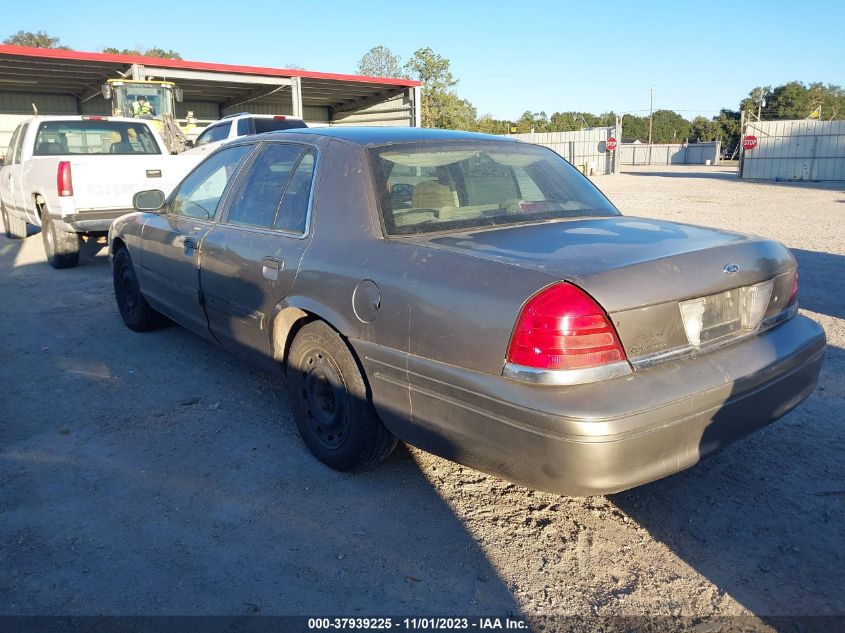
(323, 395)
(128, 292)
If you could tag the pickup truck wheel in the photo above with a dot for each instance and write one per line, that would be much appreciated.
(62, 248)
(331, 406)
(15, 227)
(134, 309)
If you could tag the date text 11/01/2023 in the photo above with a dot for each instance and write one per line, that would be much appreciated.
(417, 624)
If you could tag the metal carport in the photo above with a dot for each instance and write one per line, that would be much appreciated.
(69, 82)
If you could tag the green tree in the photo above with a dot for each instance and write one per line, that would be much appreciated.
(155, 51)
(35, 40)
(634, 128)
(440, 105)
(795, 100)
(532, 122)
(380, 61)
(489, 125)
(704, 129)
(670, 127)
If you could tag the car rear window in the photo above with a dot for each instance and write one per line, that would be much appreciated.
(94, 137)
(441, 186)
(274, 125)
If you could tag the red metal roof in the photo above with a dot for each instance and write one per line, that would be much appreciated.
(58, 54)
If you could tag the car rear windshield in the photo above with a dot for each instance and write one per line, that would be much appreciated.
(442, 186)
(274, 125)
(94, 137)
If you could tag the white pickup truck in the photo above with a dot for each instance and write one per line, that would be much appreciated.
(73, 175)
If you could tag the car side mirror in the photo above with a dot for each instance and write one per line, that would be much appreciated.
(150, 200)
(189, 143)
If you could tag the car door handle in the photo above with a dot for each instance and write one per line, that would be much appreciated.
(187, 243)
(270, 267)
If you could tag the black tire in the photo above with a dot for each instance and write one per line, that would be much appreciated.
(61, 248)
(331, 404)
(134, 309)
(15, 227)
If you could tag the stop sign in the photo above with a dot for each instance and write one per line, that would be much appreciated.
(749, 142)
(610, 144)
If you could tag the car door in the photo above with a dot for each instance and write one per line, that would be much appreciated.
(250, 259)
(171, 240)
(10, 180)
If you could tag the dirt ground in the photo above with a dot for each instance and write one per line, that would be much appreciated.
(153, 474)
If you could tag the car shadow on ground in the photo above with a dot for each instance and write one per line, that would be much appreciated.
(715, 174)
(157, 474)
(827, 297)
(765, 518)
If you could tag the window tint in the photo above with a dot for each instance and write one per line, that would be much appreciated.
(243, 127)
(19, 144)
(220, 132)
(13, 143)
(274, 125)
(258, 201)
(94, 137)
(204, 138)
(438, 186)
(200, 193)
(216, 133)
(293, 213)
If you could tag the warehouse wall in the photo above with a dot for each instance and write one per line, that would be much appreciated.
(395, 112)
(17, 106)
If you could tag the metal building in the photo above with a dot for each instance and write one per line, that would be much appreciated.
(69, 82)
(794, 150)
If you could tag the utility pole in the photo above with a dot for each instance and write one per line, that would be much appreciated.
(760, 104)
(650, 114)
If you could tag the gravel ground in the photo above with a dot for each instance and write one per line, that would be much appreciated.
(154, 474)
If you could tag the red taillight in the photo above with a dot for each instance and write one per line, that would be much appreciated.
(95, 118)
(279, 117)
(563, 327)
(64, 182)
(793, 296)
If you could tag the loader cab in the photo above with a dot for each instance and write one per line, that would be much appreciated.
(161, 95)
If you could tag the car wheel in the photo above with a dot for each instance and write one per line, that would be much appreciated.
(331, 406)
(15, 227)
(134, 309)
(62, 248)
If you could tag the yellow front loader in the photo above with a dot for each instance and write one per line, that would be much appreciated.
(157, 103)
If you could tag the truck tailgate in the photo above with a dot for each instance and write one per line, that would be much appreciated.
(109, 182)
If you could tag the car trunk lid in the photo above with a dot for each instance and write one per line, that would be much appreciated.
(667, 286)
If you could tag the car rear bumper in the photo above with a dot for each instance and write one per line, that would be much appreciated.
(89, 221)
(602, 437)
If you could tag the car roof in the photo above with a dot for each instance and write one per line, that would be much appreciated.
(250, 115)
(385, 135)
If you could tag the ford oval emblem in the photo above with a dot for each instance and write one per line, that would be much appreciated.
(731, 269)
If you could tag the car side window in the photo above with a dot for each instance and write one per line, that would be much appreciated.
(220, 132)
(16, 144)
(261, 195)
(204, 138)
(293, 212)
(10, 154)
(243, 127)
(200, 193)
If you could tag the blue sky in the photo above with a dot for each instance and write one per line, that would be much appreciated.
(509, 56)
